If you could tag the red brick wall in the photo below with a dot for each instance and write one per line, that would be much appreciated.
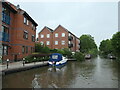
(44, 32)
(16, 30)
(77, 44)
(60, 30)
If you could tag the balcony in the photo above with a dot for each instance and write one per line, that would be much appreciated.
(70, 45)
(6, 19)
(4, 37)
(70, 38)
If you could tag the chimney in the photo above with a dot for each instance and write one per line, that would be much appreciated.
(18, 6)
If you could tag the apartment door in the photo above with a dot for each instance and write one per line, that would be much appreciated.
(15, 58)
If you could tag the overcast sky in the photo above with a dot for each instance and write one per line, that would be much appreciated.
(99, 19)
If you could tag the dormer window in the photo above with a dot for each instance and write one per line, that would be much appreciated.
(26, 21)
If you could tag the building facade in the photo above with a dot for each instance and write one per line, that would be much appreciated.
(59, 38)
(17, 33)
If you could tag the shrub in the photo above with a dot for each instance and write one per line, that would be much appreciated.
(67, 53)
(60, 51)
(39, 57)
(93, 52)
(79, 56)
(29, 59)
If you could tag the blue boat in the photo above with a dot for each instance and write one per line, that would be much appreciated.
(57, 59)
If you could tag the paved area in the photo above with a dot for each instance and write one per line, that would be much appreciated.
(18, 65)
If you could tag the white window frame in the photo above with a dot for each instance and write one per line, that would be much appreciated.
(25, 34)
(42, 36)
(48, 35)
(63, 34)
(56, 34)
(27, 22)
(56, 42)
(47, 42)
(63, 42)
(5, 50)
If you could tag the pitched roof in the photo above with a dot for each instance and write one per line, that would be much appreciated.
(49, 29)
(67, 31)
(14, 9)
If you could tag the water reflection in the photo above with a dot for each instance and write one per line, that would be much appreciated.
(93, 73)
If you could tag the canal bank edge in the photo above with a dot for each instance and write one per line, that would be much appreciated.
(19, 69)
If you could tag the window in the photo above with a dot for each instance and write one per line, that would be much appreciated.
(42, 36)
(63, 42)
(6, 15)
(5, 50)
(33, 27)
(26, 49)
(56, 42)
(48, 35)
(5, 34)
(33, 38)
(32, 49)
(42, 42)
(25, 20)
(63, 34)
(48, 43)
(25, 35)
(23, 49)
(56, 35)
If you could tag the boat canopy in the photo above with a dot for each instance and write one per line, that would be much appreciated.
(55, 57)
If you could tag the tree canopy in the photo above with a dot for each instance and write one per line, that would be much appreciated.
(87, 44)
(106, 47)
(115, 41)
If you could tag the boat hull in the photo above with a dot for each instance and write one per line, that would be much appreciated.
(57, 65)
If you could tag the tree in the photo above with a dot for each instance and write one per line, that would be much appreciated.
(60, 51)
(79, 56)
(67, 52)
(115, 41)
(45, 49)
(87, 44)
(38, 47)
(106, 47)
(41, 48)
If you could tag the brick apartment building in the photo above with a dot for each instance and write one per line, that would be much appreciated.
(59, 38)
(17, 33)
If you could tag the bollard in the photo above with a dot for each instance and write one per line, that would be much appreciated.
(23, 61)
(34, 59)
(7, 63)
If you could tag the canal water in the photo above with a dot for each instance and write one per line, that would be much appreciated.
(93, 73)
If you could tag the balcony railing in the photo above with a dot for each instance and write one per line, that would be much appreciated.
(70, 38)
(4, 37)
(5, 18)
(70, 45)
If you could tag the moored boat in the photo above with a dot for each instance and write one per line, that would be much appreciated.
(87, 56)
(57, 59)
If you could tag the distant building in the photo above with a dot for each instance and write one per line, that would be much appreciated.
(59, 38)
(17, 33)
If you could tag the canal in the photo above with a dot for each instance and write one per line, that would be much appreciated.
(93, 73)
